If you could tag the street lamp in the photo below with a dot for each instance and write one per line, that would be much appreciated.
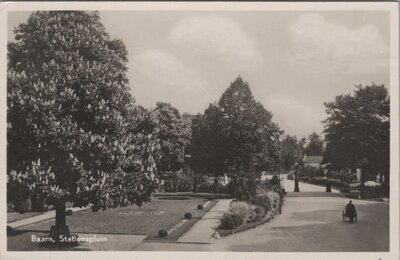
(296, 178)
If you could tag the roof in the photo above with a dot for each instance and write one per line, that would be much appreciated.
(313, 159)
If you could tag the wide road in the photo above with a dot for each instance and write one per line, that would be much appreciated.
(311, 221)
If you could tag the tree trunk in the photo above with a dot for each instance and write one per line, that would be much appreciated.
(234, 186)
(195, 184)
(296, 181)
(216, 186)
(362, 184)
(175, 188)
(61, 218)
(60, 228)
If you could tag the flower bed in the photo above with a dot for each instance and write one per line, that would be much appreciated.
(243, 215)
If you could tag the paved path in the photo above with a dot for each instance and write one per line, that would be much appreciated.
(198, 238)
(39, 218)
(203, 230)
(304, 187)
(311, 221)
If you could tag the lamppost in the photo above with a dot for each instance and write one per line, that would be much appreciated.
(296, 178)
(328, 180)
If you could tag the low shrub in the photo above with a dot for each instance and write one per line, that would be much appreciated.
(290, 176)
(240, 208)
(162, 233)
(257, 214)
(200, 206)
(95, 208)
(231, 220)
(264, 201)
(318, 181)
(10, 207)
(68, 212)
(210, 188)
(274, 198)
(188, 215)
(23, 206)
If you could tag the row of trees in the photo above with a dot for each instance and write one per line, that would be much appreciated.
(76, 135)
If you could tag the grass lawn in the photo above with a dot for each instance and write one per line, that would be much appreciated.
(161, 213)
(196, 215)
(15, 216)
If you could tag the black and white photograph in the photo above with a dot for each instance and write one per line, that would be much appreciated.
(237, 130)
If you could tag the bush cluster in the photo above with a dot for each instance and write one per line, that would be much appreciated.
(238, 214)
(231, 220)
(162, 233)
(263, 201)
(274, 198)
(207, 187)
(256, 214)
(241, 212)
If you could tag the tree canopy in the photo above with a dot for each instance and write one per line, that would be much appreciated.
(235, 136)
(292, 151)
(314, 145)
(173, 137)
(73, 130)
(358, 130)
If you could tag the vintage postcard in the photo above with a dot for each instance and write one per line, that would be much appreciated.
(203, 130)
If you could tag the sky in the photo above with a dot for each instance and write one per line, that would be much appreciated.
(294, 61)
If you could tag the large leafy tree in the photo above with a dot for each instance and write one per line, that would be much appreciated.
(358, 130)
(251, 139)
(173, 136)
(73, 132)
(314, 145)
(207, 145)
(292, 151)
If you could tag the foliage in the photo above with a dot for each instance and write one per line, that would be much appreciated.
(240, 213)
(292, 151)
(274, 180)
(200, 206)
(250, 137)
(314, 145)
(264, 201)
(357, 130)
(274, 198)
(256, 214)
(231, 220)
(73, 132)
(207, 187)
(241, 209)
(310, 172)
(207, 144)
(235, 136)
(162, 233)
(188, 215)
(173, 136)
